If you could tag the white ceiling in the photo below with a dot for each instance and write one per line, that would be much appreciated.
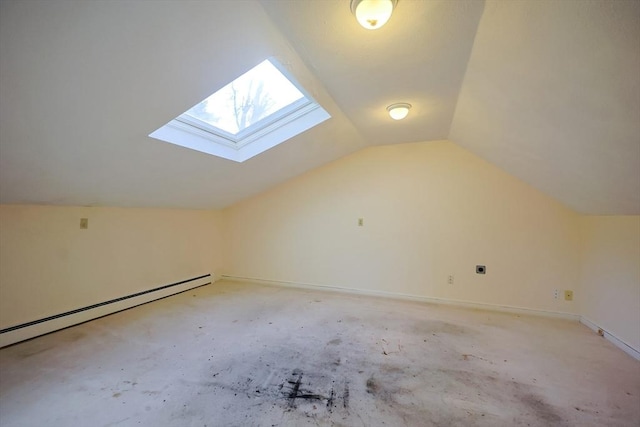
(547, 90)
(552, 96)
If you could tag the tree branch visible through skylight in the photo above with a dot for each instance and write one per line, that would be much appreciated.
(257, 94)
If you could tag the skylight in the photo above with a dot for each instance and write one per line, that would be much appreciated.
(255, 95)
(258, 110)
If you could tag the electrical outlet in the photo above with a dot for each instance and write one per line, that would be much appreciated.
(360, 222)
(450, 280)
(84, 223)
(568, 295)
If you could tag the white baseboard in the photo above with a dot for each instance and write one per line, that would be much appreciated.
(30, 330)
(455, 303)
(635, 353)
(408, 297)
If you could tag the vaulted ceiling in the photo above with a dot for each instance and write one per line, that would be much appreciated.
(547, 90)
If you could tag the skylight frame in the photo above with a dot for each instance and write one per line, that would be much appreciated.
(285, 123)
(242, 138)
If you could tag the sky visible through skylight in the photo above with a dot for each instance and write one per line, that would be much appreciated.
(254, 96)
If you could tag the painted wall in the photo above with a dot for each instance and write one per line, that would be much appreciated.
(430, 210)
(48, 265)
(611, 275)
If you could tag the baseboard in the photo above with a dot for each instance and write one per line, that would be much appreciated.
(612, 338)
(409, 297)
(32, 329)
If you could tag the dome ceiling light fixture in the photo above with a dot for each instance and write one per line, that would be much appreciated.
(399, 110)
(373, 14)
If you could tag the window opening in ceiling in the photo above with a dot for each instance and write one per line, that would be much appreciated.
(258, 110)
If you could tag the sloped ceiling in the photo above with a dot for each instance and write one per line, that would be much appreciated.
(547, 90)
(552, 96)
(82, 84)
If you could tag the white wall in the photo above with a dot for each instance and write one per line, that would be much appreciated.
(48, 265)
(611, 275)
(430, 210)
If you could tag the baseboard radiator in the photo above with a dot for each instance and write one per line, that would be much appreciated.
(34, 328)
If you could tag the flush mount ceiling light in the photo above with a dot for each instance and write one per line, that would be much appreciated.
(372, 14)
(399, 111)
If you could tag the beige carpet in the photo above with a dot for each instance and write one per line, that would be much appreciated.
(234, 354)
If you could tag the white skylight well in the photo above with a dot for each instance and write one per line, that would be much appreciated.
(257, 111)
